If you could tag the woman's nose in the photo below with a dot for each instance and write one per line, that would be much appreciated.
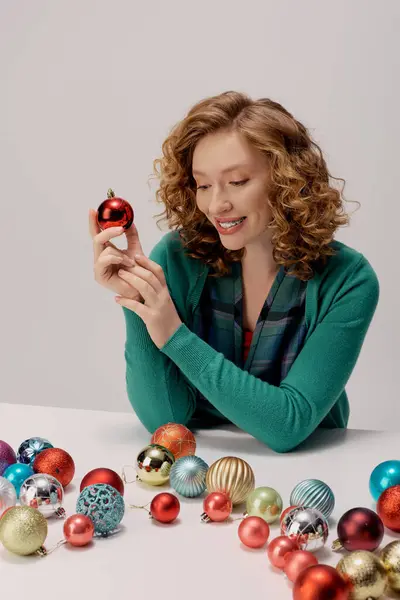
(218, 204)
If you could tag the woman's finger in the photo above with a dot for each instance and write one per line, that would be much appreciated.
(134, 305)
(102, 239)
(148, 276)
(147, 292)
(152, 266)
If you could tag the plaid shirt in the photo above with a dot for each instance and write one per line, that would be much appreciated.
(276, 341)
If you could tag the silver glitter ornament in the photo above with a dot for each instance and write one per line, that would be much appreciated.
(308, 526)
(43, 492)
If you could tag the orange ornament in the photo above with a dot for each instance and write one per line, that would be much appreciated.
(176, 438)
(296, 562)
(388, 507)
(320, 582)
(57, 463)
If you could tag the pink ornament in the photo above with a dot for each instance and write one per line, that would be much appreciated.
(253, 532)
(295, 562)
(278, 548)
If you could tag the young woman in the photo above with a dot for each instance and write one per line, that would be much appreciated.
(247, 311)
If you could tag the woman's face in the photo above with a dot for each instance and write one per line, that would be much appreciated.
(241, 192)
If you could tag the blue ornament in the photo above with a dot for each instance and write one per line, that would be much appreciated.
(30, 448)
(313, 493)
(103, 504)
(383, 476)
(16, 474)
(188, 476)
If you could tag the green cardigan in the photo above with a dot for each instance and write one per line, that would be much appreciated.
(162, 383)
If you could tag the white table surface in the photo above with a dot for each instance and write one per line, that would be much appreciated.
(189, 558)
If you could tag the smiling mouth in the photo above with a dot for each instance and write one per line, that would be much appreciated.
(230, 224)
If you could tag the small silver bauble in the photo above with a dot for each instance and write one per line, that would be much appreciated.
(153, 464)
(43, 492)
(8, 495)
(308, 526)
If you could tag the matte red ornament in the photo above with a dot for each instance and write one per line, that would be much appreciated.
(177, 438)
(388, 507)
(278, 548)
(320, 582)
(295, 562)
(114, 212)
(217, 507)
(103, 475)
(165, 507)
(253, 532)
(359, 529)
(56, 462)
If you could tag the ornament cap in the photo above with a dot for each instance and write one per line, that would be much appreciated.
(60, 513)
(41, 551)
(205, 518)
(110, 193)
(337, 545)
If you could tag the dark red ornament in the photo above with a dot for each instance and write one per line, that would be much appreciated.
(114, 212)
(388, 507)
(103, 475)
(165, 507)
(359, 529)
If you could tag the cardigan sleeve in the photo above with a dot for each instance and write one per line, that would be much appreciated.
(282, 417)
(156, 387)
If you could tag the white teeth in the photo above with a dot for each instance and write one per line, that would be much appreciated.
(229, 224)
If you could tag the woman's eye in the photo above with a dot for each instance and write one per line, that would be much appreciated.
(235, 183)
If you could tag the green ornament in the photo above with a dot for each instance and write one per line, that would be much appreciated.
(264, 502)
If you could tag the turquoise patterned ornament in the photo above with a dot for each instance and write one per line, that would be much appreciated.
(30, 448)
(188, 476)
(313, 493)
(385, 475)
(104, 505)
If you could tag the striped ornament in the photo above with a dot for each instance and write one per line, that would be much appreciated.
(231, 475)
(188, 476)
(313, 493)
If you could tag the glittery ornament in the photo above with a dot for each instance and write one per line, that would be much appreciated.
(253, 532)
(114, 212)
(7, 456)
(23, 530)
(30, 448)
(364, 574)
(295, 562)
(165, 507)
(313, 493)
(388, 507)
(264, 502)
(153, 464)
(217, 507)
(320, 582)
(16, 474)
(103, 475)
(188, 476)
(8, 495)
(57, 463)
(278, 548)
(359, 529)
(104, 505)
(384, 475)
(390, 558)
(231, 475)
(177, 438)
(308, 526)
(44, 493)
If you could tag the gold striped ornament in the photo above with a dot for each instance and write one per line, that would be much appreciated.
(231, 475)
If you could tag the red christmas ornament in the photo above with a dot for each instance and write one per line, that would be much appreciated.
(78, 530)
(253, 532)
(388, 507)
(285, 512)
(217, 507)
(165, 507)
(103, 475)
(320, 582)
(359, 529)
(278, 548)
(177, 438)
(295, 562)
(114, 212)
(55, 462)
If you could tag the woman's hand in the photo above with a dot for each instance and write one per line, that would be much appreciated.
(108, 259)
(158, 311)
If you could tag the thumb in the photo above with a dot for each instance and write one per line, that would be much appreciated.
(134, 244)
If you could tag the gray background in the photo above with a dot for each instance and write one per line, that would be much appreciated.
(90, 91)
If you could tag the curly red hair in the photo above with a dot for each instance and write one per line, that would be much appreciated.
(306, 209)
